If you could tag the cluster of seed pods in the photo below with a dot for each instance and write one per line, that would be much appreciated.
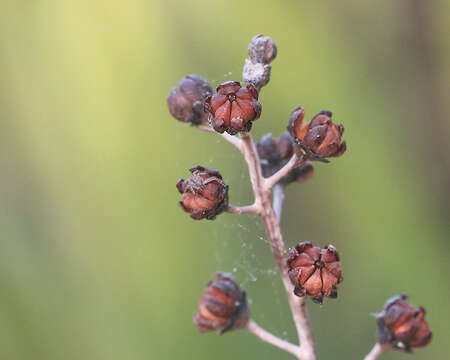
(314, 272)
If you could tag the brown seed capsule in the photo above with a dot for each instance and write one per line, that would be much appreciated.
(205, 195)
(262, 49)
(403, 325)
(275, 153)
(223, 306)
(321, 137)
(233, 108)
(186, 102)
(304, 172)
(313, 271)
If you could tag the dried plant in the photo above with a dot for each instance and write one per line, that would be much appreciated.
(307, 270)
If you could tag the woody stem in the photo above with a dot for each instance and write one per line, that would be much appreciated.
(230, 138)
(242, 209)
(268, 337)
(275, 178)
(377, 351)
(264, 203)
(278, 199)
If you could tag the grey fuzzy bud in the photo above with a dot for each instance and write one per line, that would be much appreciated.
(257, 74)
(262, 49)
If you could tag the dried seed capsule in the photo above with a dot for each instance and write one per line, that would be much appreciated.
(233, 108)
(205, 195)
(262, 49)
(403, 325)
(304, 172)
(275, 153)
(321, 137)
(186, 102)
(222, 306)
(314, 272)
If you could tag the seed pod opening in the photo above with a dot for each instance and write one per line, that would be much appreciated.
(320, 137)
(314, 272)
(233, 108)
(204, 194)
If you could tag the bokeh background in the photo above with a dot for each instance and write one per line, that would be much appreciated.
(97, 261)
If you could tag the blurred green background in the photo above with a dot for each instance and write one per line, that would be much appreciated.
(97, 261)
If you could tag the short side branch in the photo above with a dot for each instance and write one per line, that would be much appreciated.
(243, 209)
(377, 351)
(286, 169)
(266, 336)
(230, 138)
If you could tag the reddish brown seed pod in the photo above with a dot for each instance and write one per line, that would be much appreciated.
(223, 306)
(186, 102)
(233, 108)
(320, 137)
(204, 194)
(275, 153)
(403, 325)
(314, 272)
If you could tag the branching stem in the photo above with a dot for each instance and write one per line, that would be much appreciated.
(270, 214)
(286, 169)
(262, 199)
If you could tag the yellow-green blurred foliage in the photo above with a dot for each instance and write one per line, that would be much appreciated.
(97, 261)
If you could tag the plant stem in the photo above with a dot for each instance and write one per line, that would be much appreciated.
(292, 163)
(272, 225)
(268, 337)
(243, 209)
(278, 199)
(230, 138)
(377, 351)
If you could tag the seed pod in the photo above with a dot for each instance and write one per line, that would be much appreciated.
(275, 153)
(233, 108)
(304, 172)
(186, 102)
(321, 137)
(403, 325)
(222, 306)
(204, 194)
(314, 272)
(262, 49)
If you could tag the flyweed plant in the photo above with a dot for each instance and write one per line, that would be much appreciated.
(307, 271)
